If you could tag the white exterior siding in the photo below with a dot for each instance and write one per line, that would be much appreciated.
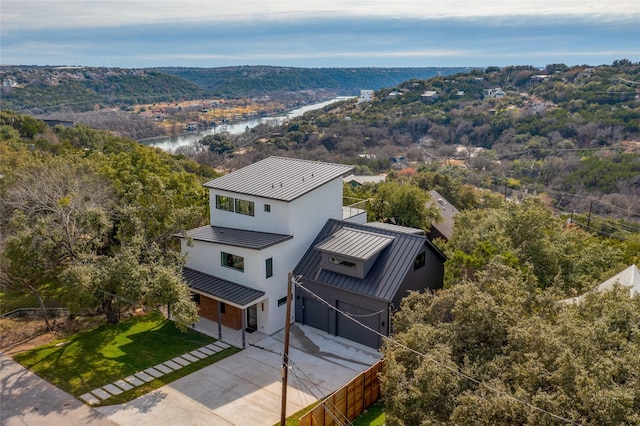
(206, 257)
(301, 210)
(276, 221)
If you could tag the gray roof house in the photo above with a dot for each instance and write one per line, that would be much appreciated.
(444, 228)
(362, 271)
(628, 278)
(283, 214)
(263, 217)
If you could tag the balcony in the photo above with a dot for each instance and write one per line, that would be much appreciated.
(354, 210)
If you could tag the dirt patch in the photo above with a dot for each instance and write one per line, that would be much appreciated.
(22, 334)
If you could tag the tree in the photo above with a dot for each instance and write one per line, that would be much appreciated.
(487, 349)
(402, 204)
(97, 222)
(132, 276)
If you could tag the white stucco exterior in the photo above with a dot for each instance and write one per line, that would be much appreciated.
(301, 218)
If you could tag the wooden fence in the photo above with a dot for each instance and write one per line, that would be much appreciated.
(348, 402)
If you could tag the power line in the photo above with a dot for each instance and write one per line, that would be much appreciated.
(428, 358)
(328, 404)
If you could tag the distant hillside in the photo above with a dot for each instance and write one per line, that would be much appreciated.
(258, 80)
(45, 89)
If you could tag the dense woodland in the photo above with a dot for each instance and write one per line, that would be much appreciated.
(92, 215)
(570, 133)
(261, 80)
(88, 218)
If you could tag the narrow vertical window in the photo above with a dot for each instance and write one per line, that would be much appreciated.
(269, 265)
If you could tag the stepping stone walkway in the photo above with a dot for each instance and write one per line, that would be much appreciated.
(142, 377)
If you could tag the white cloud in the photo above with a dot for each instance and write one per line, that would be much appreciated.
(40, 14)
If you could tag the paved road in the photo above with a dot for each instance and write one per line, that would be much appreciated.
(26, 399)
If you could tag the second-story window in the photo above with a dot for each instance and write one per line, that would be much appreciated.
(232, 261)
(244, 207)
(269, 267)
(224, 203)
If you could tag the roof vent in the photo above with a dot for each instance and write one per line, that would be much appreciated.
(272, 186)
(280, 184)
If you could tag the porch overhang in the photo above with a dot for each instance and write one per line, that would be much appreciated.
(221, 290)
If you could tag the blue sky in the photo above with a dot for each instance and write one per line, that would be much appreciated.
(355, 33)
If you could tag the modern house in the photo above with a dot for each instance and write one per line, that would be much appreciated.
(365, 96)
(265, 217)
(356, 271)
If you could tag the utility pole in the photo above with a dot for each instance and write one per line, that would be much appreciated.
(285, 356)
(589, 219)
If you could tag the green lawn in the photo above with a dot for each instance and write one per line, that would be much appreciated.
(108, 353)
(11, 299)
(373, 417)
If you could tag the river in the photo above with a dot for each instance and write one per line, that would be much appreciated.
(170, 143)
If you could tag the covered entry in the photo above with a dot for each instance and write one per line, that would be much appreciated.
(225, 302)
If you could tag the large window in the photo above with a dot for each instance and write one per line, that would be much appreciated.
(269, 266)
(224, 203)
(244, 207)
(232, 261)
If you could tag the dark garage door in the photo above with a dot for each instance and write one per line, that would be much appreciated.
(315, 314)
(348, 329)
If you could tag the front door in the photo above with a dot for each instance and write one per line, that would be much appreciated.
(252, 317)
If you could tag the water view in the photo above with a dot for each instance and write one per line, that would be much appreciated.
(170, 143)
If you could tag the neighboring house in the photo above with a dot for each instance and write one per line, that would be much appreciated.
(630, 278)
(363, 271)
(429, 96)
(192, 126)
(495, 93)
(354, 180)
(365, 96)
(444, 228)
(263, 218)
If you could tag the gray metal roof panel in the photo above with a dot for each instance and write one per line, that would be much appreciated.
(359, 245)
(223, 290)
(236, 237)
(447, 212)
(397, 228)
(279, 178)
(388, 272)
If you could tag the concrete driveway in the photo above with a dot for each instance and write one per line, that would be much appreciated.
(26, 399)
(245, 389)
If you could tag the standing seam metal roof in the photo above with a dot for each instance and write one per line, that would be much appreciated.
(279, 178)
(223, 290)
(388, 272)
(355, 244)
(236, 237)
